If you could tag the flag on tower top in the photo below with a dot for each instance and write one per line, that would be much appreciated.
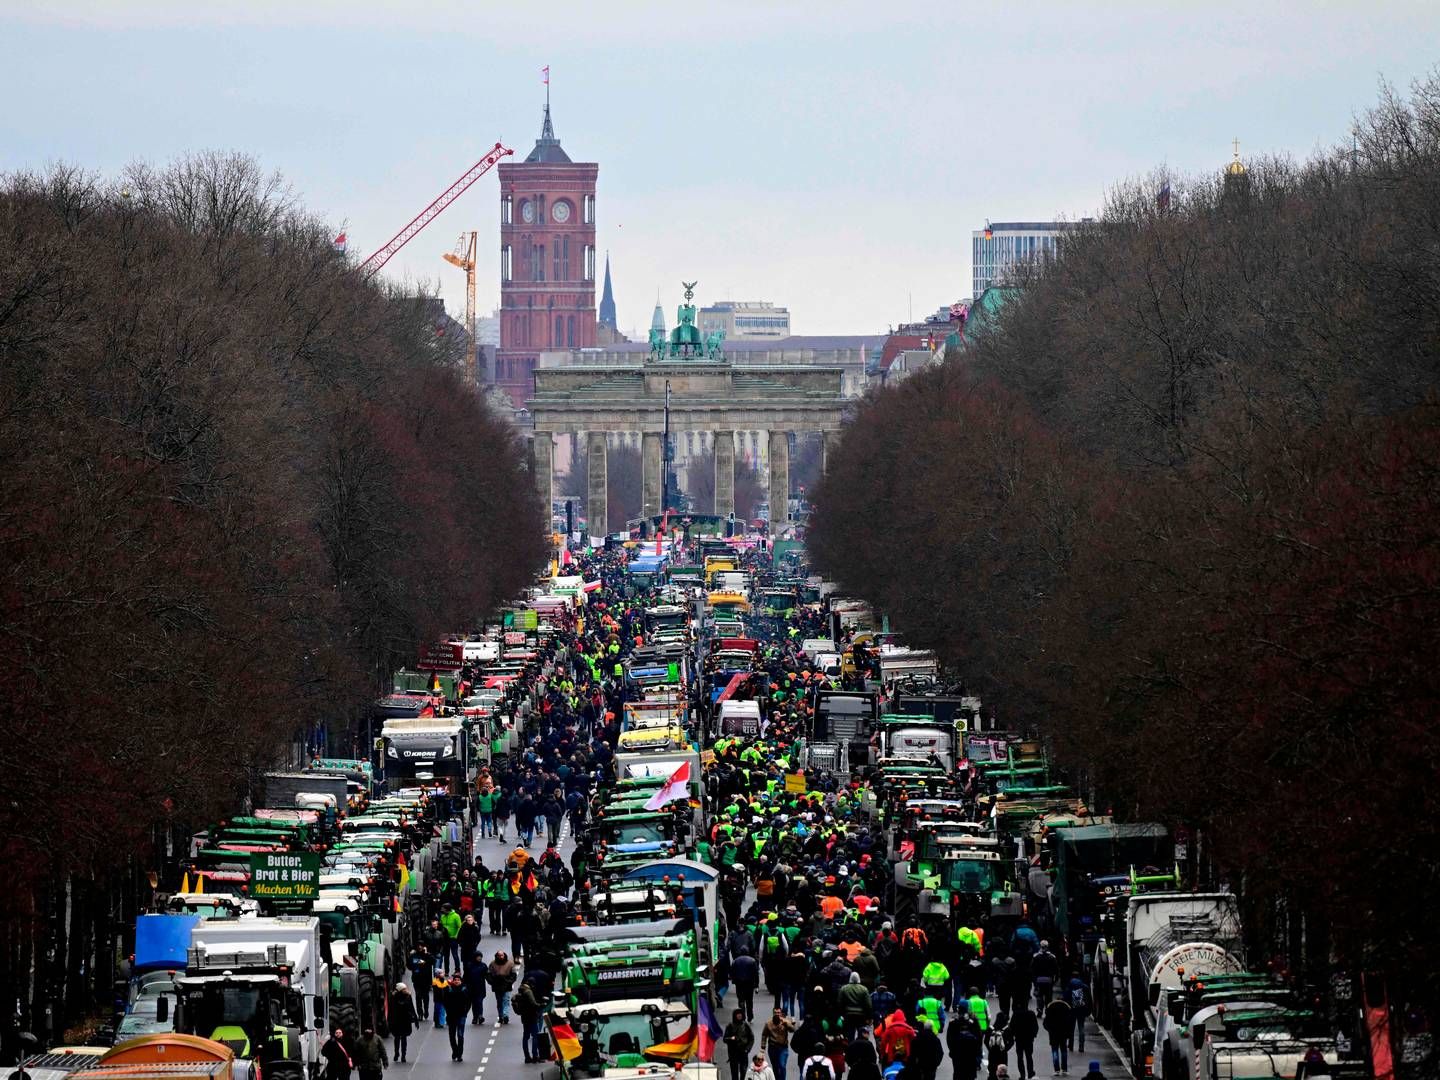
(546, 71)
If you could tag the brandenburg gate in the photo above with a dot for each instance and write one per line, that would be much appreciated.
(705, 391)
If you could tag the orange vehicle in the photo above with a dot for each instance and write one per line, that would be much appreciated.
(169, 1055)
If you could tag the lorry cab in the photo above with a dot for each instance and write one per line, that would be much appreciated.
(613, 1036)
(664, 736)
(635, 827)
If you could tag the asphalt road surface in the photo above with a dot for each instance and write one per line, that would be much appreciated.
(492, 1050)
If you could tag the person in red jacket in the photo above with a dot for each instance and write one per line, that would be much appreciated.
(895, 1036)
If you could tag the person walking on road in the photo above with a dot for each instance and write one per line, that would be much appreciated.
(527, 1007)
(745, 977)
(501, 977)
(403, 1019)
(1024, 1027)
(370, 1057)
(855, 1005)
(926, 1053)
(1079, 998)
(997, 1046)
(451, 923)
(1059, 1025)
(457, 1012)
(485, 804)
(775, 1041)
(338, 1062)
(525, 813)
(738, 1039)
(759, 1069)
(553, 811)
(477, 985)
(1044, 968)
(862, 1060)
(439, 985)
(504, 807)
(421, 974)
(964, 1042)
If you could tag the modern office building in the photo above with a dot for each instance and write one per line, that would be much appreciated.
(746, 320)
(1002, 244)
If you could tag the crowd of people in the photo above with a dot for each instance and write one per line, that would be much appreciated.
(806, 889)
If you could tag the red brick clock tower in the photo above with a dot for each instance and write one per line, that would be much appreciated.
(547, 260)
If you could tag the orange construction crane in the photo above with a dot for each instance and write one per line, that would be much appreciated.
(464, 257)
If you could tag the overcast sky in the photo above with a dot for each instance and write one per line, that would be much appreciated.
(833, 157)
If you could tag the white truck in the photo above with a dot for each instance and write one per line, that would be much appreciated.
(1171, 936)
(898, 662)
(920, 738)
(260, 986)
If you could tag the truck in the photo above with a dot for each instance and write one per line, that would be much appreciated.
(284, 790)
(1169, 936)
(898, 662)
(1091, 866)
(919, 738)
(848, 616)
(917, 697)
(429, 748)
(841, 724)
(259, 986)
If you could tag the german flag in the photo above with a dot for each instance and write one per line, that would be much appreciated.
(565, 1040)
(680, 1048)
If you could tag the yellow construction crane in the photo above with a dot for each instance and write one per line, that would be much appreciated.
(464, 257)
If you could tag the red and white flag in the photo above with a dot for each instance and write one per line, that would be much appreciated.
(591, 586)
(677, 787)
(339, 242)
(546, 71)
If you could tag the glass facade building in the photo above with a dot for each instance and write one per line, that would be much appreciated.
(999, 246)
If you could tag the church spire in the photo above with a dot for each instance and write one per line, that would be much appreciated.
(607, 299)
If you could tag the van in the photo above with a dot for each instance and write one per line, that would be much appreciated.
(740, 718)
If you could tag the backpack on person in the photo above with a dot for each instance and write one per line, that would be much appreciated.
(816, 1070)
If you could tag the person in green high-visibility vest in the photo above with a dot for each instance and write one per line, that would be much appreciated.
(930, 1010)
(979, 1009)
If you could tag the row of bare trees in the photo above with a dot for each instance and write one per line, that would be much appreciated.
(241, 485)
(1178, 508)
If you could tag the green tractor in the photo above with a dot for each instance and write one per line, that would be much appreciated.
(362, 974)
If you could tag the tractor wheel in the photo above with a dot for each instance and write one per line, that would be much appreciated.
(284, 1070)
(373, 1003)
(347, 1017)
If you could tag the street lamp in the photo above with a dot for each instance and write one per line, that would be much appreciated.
(665, 457)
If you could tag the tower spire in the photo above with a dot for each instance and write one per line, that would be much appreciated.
(607, 299)
(547, 147)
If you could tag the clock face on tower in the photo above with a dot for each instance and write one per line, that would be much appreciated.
(561, 212)
(527, 212)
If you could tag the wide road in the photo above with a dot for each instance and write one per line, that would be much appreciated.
(492, 1051)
